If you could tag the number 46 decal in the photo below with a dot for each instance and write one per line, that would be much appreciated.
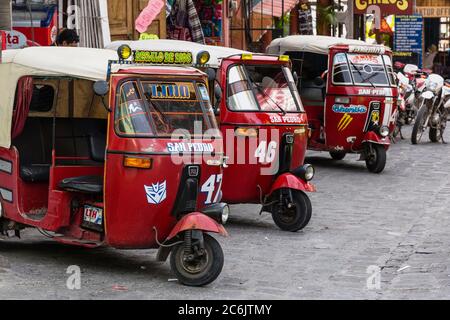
(266, 153)
(212, 187)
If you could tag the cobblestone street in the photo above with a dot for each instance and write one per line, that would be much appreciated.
(398, 221)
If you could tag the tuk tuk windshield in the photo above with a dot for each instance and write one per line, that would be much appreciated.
(156, 108)
(266, 88)
(363, 70)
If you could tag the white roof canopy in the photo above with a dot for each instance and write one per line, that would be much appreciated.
(312, 44)
(81, 63)
(217, 53)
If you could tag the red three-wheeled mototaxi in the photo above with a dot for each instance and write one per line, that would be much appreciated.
(349, 91)
(98, 150)
(264, 126)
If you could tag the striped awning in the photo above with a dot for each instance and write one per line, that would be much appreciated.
(275, 8)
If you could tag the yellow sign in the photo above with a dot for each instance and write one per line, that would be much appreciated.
(345, 122)
(387, 7)
(163, 57)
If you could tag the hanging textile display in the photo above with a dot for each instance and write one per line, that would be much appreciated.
(305, 20)
(183, 22)
(210, 14)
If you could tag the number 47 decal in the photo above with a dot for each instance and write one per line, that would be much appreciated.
(212, 187)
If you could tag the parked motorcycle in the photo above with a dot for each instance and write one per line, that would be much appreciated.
(432, 112)
(405, 113)
(412, 92)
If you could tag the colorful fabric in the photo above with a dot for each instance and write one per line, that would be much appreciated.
(194, 23)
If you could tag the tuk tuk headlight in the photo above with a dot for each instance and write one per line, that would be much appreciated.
(124, 52)
(203, 58)
(305, 172)
(218, 211)
(225, 214)
(384, 131)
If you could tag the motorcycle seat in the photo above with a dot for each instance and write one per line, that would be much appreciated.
(84, 184)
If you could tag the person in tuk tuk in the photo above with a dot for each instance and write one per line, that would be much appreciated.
(67, 38)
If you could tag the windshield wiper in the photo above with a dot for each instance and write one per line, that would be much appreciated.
(261, 90)
(360, 74)
(154, 106)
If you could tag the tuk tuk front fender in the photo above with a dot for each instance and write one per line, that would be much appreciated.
(372, 137)
(193, 221)
(197, 221)
(290, 181)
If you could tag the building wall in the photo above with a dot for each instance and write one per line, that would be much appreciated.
(122, 15)
(432, 3)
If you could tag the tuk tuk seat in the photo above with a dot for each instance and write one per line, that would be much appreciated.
(84, 184)
(35, 172)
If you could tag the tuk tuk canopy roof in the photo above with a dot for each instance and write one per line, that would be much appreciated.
(79, 63)
(217, 53)
(314, 44)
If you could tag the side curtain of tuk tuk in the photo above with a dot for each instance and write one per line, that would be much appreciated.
(24, 95)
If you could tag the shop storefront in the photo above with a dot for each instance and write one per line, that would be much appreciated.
(204, 21)
(436, 36)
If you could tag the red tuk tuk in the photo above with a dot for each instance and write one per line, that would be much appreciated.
(349, 92)
(89, 162)
(264, 126)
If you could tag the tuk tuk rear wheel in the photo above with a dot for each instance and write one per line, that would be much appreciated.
(199, 271)
(292, 217)
(337, 155)
(376, 158)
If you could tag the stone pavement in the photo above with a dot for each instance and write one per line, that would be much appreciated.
(398, 221)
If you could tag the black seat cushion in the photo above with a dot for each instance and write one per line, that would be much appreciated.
(85, 184)
(35, 173)
(98, 146)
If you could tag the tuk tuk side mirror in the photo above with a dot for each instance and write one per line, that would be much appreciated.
(218, 94)
(211, 74)
(101, 89)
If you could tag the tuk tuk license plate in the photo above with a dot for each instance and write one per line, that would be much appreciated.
(93, 218)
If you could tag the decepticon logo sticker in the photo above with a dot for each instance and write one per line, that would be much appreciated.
(156, 193)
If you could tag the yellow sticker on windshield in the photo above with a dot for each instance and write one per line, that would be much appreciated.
(171, 91)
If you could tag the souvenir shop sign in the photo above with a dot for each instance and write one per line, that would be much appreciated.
(387, 7)
(163, 57)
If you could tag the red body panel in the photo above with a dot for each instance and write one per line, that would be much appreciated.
(245, 179)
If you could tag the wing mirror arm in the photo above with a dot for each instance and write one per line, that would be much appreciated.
(101, 89)
(218, 94)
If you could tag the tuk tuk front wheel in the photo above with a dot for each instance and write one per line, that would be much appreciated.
(294, 214)
(196, 270)
(420, 125)
(337, 155)
(435, 135)
(376, 158)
